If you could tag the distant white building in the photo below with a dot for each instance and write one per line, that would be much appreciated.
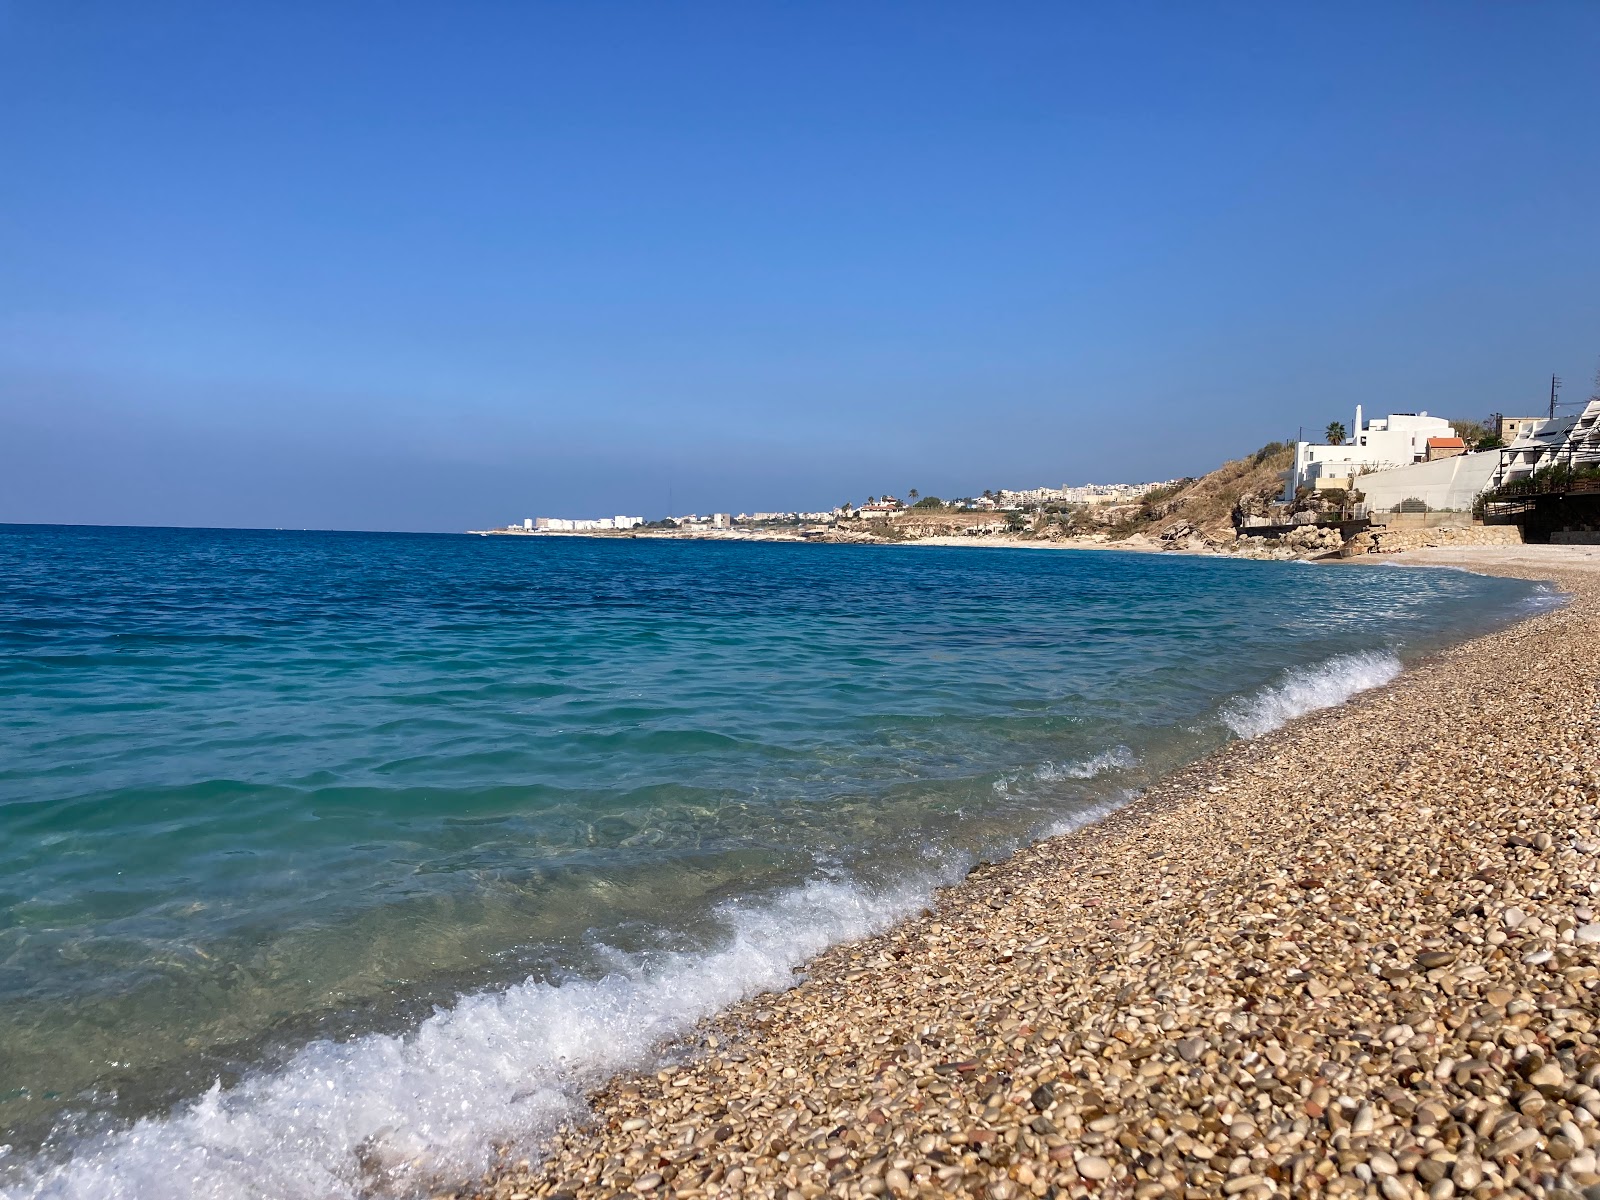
(883, 508)
(760, 517)
(1381, 444)
(583, 525)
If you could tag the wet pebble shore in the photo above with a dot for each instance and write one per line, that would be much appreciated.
(1356, 958)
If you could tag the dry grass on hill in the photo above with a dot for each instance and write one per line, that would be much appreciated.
(1207, 503)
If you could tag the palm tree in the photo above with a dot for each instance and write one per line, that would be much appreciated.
(1335, 432)
(913, 494)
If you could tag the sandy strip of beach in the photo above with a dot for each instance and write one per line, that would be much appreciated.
(1358, 956)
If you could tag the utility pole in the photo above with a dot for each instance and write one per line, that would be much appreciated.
(1555, 386)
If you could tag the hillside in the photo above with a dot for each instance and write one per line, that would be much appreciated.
(1208, 503)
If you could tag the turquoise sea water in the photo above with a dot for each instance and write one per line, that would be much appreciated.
(328, 859)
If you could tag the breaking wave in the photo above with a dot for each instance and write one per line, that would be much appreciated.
(1306, 689)
(1115, 759)
(394, 1115)
(1118, 758)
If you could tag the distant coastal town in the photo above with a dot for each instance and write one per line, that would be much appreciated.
(1383, 484)
(797, 524)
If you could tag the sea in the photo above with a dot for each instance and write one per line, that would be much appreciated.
(330, 862)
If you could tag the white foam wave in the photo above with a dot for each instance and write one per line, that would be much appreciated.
(1306, 689)
(1117, 758)
(1086, 816)
(392, 1114)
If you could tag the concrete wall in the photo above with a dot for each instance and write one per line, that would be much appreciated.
(1449, 483)
(1427, 520)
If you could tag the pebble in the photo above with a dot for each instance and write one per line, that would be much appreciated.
(1549, 1075)
(1092, 1166)
(1350, 957)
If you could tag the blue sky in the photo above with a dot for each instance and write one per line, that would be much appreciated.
(407, 266)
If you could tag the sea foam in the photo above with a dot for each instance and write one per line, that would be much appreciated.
(1306, 689)
(1118, 758)
(394, 1115)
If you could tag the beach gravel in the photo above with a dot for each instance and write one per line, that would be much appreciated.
(1355, 957)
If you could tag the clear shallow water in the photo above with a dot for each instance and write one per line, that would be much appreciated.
(267, 800)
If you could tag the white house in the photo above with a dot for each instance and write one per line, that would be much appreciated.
(1383, 443)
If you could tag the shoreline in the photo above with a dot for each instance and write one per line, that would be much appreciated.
(1080, 1019)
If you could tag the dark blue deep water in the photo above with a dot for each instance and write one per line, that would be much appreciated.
(330, 854)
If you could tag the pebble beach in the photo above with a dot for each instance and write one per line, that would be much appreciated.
(1355, 957)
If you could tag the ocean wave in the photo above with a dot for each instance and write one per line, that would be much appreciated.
(1086, 816)
(1545, 598)
(1115, 759)
(1306, 689)
(396, 1115)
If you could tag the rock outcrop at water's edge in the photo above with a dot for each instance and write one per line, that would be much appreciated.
(1358, 957)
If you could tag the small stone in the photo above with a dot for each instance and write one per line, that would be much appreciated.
(1542, 842)
(1190, 1049)
(898, 1181)
(647, 1183)
(1362, 1123)
(1043, 1096)
(1550, 1075)
(1429, 959)
(1383, 1164)
(1092, 1166)
(1466, 1174)
(1586, 935)
(1514, 1142)
(1432, 1170)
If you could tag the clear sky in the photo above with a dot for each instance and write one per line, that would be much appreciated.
(429, 266)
